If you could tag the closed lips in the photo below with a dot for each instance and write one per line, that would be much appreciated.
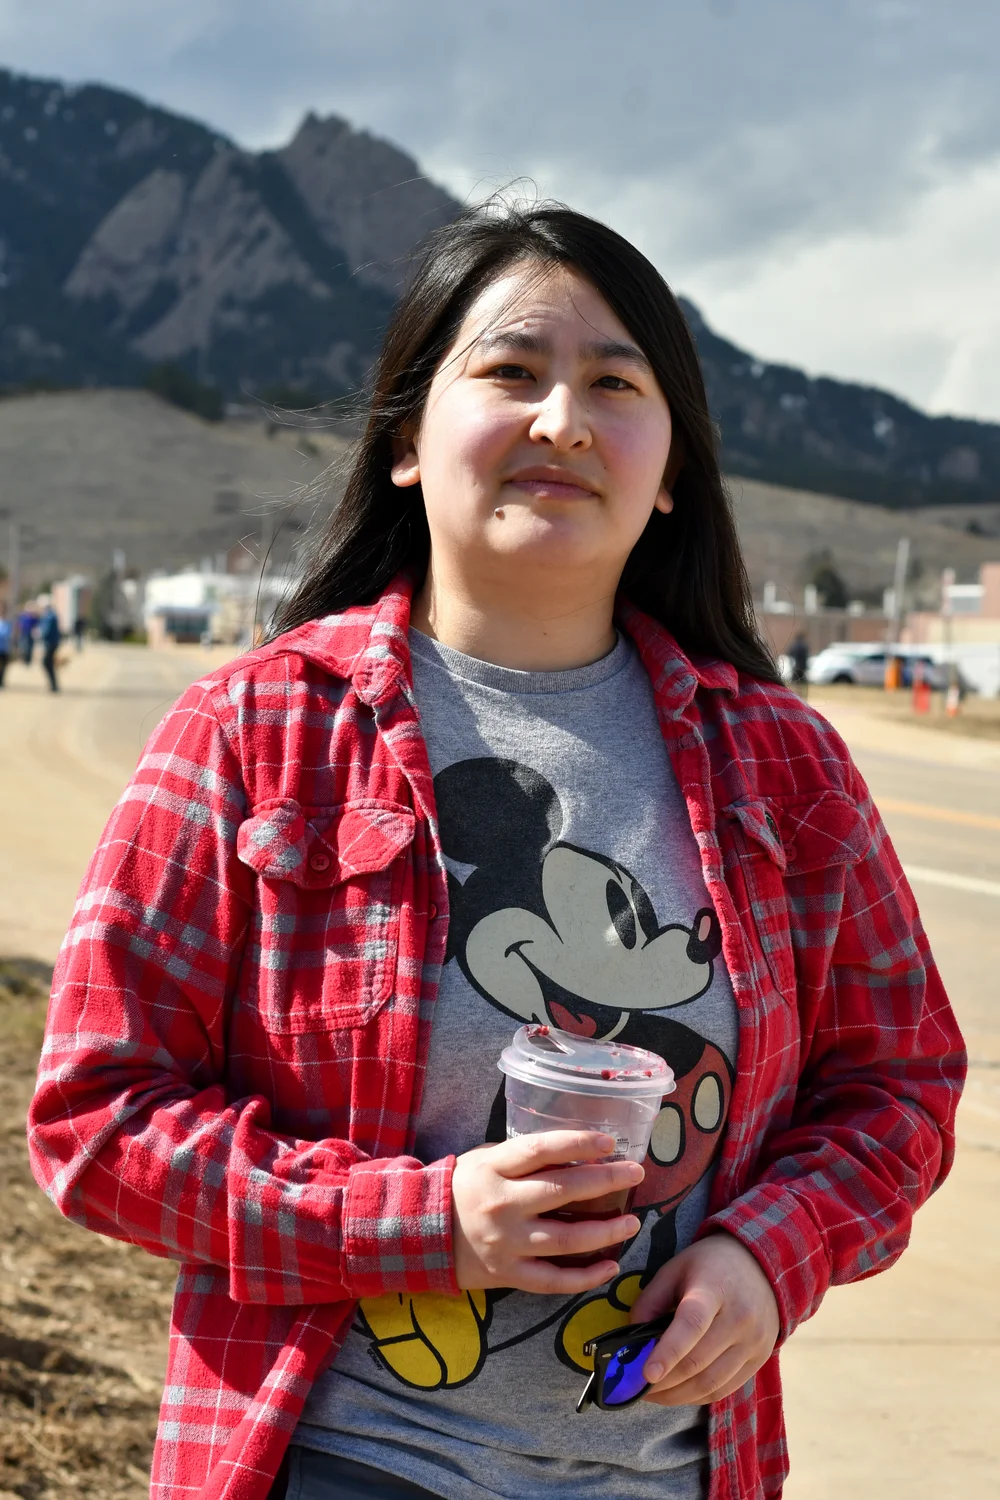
(553, 479)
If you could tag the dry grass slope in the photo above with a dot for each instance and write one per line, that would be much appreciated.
(781, 528)
(82, 1319)
(89, 471)
(93, 470)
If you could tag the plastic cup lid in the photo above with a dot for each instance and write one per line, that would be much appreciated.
(583, 1064)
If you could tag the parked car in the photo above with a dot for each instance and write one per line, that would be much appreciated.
(864, 662)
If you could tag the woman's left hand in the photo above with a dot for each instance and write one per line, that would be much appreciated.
(725, 1326)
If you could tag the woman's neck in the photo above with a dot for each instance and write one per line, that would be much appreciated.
(549, 628)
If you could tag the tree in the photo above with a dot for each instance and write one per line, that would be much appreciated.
(175, 384)
(830, 587)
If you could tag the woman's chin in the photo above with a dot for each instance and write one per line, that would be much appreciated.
(541, 541)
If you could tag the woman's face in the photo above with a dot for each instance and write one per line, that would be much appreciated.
(545, 437)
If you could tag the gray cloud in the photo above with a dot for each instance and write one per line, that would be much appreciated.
(720, 135)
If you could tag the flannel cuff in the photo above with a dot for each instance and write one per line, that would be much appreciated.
(777, 1228)
(397, 1228)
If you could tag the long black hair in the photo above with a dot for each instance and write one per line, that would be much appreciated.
(686, 569)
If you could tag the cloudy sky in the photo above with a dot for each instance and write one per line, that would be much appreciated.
(821, 176)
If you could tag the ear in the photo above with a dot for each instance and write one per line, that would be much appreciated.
(675, 462)
(405, 469)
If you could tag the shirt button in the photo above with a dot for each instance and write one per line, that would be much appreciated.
(319, 863)
(432, 911)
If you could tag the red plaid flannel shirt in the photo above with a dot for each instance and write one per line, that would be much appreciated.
(241, 1011)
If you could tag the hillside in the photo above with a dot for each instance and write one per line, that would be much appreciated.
(784, 533)
(838, 438)
(86, 472)
(130, 236)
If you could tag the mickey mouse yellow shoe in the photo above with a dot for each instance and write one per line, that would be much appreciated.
(429, 1341)
(596, 1316)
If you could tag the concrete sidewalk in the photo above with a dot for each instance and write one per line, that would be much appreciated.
(894, 1387)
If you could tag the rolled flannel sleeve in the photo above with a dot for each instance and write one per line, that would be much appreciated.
(871, 1134)
(132, 1132)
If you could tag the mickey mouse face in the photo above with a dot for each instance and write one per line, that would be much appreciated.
(595, 955)
(548, 931)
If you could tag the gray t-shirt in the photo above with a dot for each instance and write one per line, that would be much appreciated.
(577, 898)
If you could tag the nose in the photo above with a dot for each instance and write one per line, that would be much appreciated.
(561, 420)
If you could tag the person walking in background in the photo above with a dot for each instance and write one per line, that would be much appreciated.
(27, 621)
(5, 641)
(79, 631)
(50, 635)
(798, 655)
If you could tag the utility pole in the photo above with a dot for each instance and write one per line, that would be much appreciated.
(898, 587)
(952, 695)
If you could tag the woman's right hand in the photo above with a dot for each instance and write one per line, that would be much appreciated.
(499, 1193)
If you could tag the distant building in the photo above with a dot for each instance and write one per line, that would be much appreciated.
(208, 605)
(966, 628)
(969, 611)
(71, 600)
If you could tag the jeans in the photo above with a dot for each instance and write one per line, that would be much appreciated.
(49, 663)
(324, 1476)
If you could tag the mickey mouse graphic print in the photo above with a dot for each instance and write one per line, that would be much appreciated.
(577, 899)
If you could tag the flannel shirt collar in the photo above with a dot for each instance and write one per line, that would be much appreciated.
(375, 657)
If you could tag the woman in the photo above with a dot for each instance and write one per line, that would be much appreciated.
(516, 753)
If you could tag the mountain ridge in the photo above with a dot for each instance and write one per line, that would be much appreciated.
(130, 236)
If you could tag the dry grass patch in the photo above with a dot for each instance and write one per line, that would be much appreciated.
(83, 1319)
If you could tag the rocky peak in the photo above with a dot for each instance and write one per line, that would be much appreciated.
(368, 198)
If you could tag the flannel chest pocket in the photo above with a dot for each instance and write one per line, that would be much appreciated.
(326, 931)
(793, 852)
(762, 864)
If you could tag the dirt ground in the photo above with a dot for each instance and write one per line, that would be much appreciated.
(83, 1319)
(977, 718)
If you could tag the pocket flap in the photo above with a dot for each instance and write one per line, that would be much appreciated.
(823, 831)
(316, 847)
(758, 823)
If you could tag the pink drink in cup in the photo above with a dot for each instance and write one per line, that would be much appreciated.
(560, 1081)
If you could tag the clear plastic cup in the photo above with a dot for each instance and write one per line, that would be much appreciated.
(560, 1081)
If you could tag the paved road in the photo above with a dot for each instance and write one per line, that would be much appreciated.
(892, 1387)
(63, 762)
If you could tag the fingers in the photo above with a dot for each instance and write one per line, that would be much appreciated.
(660, 1295)
(679, 1351)
(721, 1378)
(559, 1237)
(529, 1154)
(603, 1187)
(561, 1281)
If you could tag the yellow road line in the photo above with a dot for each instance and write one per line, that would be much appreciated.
(937, 814)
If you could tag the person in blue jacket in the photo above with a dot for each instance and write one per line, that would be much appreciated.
(50, 635)
(5, 641)
(27, 620)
